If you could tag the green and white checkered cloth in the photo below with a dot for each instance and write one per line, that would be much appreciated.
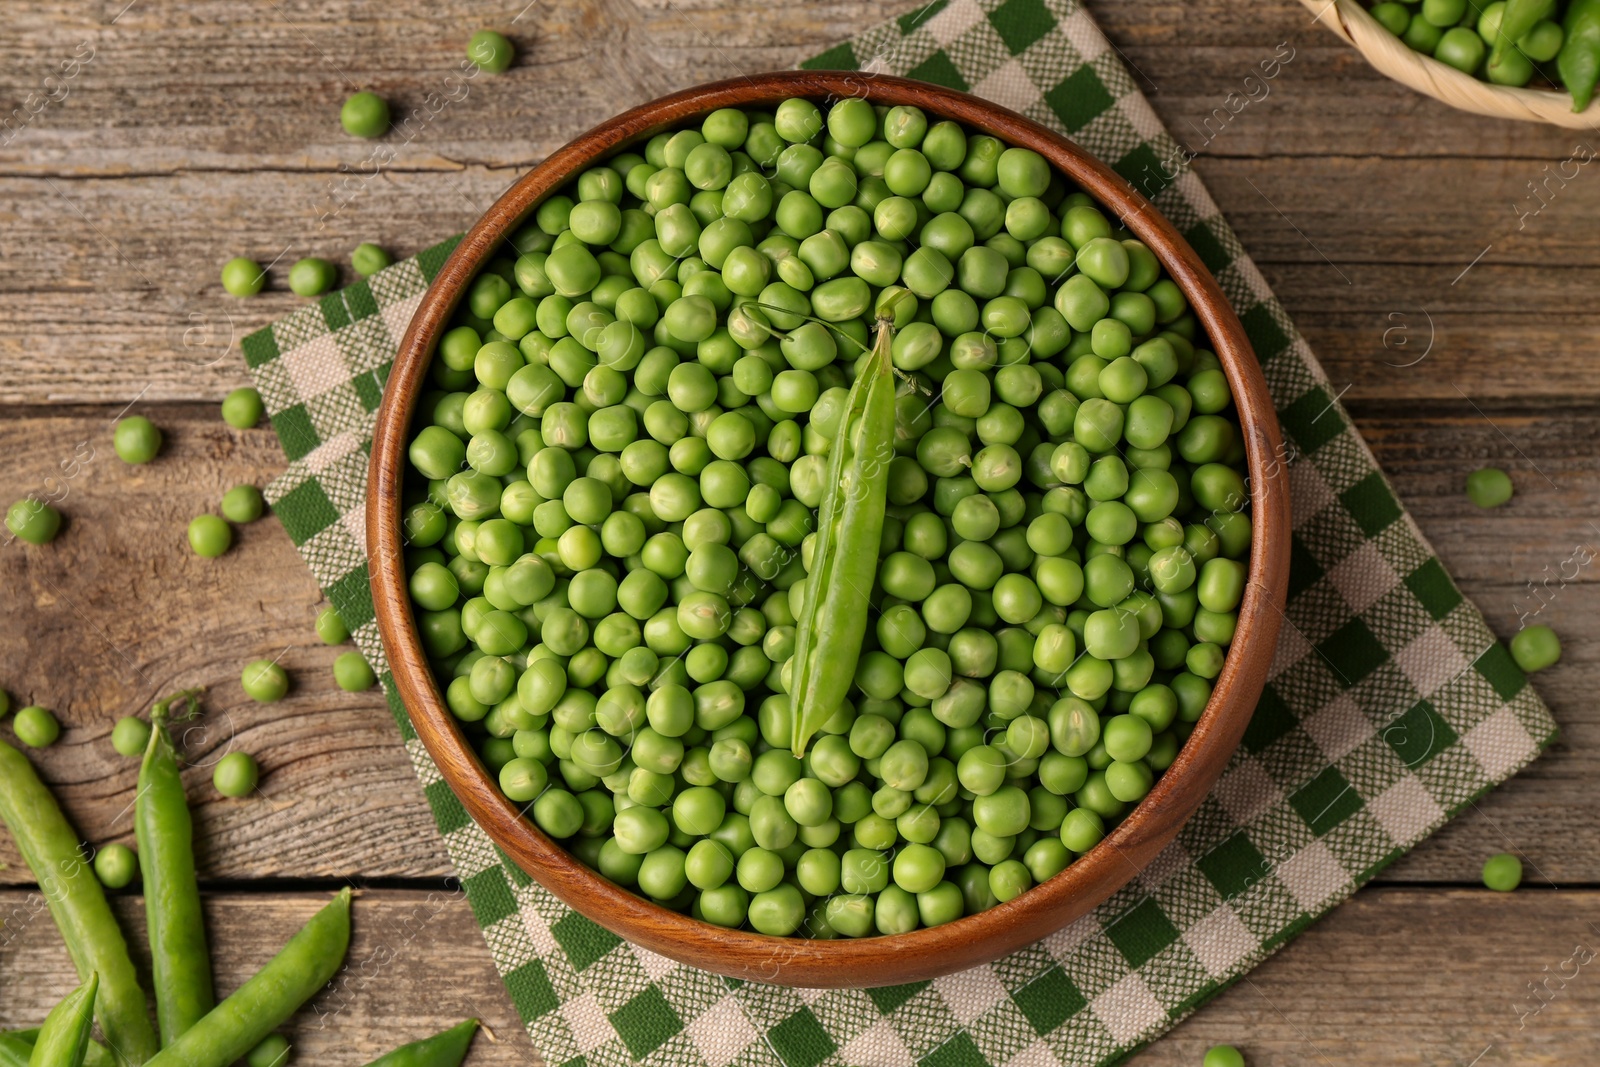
(1390, 706)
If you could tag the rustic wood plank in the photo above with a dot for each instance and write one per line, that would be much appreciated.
(260, 88)
(416, 965)
(143, 237)
(111, 284)
(1542, 537)
(118, 610)
(1451, 978)
(1414, 977)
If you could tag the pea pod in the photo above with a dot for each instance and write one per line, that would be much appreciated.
(49, 845)
(64, 1038)
(845, 561)
(1518, 18)
(1579, 59)
(180, 966)
(262, 1004)
(16, 1046)
(446, 1049)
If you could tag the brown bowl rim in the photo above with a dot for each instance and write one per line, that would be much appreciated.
(924, 953)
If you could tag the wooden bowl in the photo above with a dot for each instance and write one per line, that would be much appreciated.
(879, 960)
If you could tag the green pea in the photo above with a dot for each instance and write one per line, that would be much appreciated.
(365, 114)
(1489, 487)
(1535, 647)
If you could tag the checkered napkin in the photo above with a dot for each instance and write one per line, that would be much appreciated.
(1390, 706)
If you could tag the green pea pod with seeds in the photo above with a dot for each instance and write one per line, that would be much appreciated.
(446, 1049)
(180, 965)
(1579, 59)
(64, 1038)
(1519, 17)
(266, 1001)
(844, 564)
(77, 902)
(16, 1047)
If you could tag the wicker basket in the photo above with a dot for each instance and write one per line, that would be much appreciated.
(1392, 56)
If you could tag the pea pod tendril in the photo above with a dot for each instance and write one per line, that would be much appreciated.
(845, 563)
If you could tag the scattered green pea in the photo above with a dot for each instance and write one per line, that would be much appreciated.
(331, 628)
(312, 276)
(242, 408)
(1535, 647)
(264, 681)
(1489, 487)
(367, 260)
(243, 277)
(242, 503)
(236, 774)
(34, 521)
(490, 52)
(116, 866)
(36, 727)
(1502, 872)
(209, 536)
(365, 114)
(1223, 1056)
(130, 736)
(136, 439)
(352, 673)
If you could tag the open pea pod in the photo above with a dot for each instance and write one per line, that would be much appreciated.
(844, 563)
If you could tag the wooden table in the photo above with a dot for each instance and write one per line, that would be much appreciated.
(191, 131)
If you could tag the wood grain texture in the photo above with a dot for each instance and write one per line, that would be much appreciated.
(199, 131)
(1331, 996)
(117, 611)
(416, 965)
(203, 129)
(1414, 978)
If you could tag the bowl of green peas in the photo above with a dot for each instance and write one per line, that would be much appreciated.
(827, 529)
(1533, 60)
